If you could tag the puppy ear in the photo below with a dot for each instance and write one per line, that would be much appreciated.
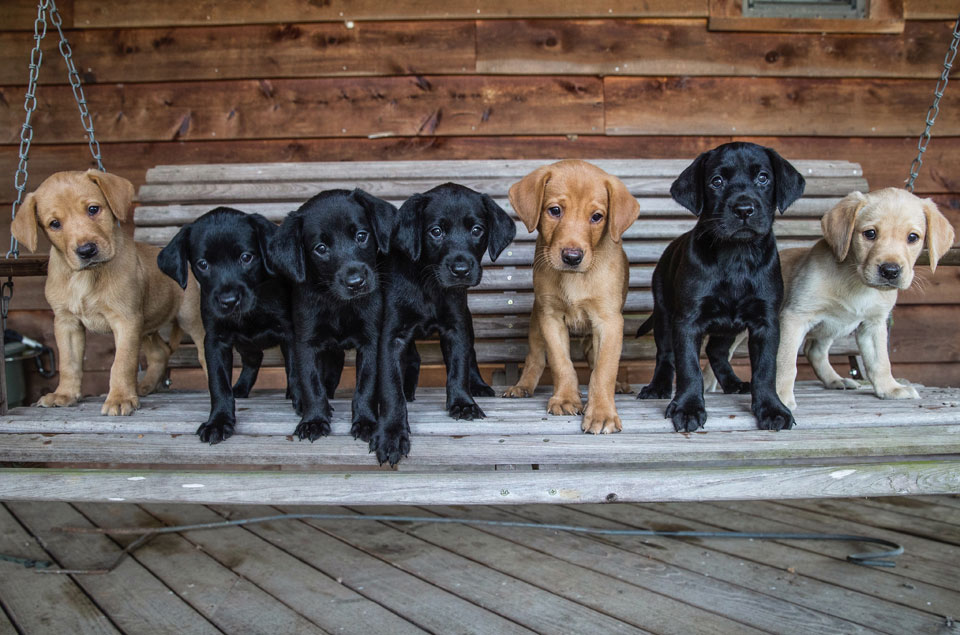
(406, 238)
(25, 224)
(174, 259)
(285, 250)
(940, 233)
(838, 223)
(687, 189)
(788, 181)
(502, 228)
(526, 196)
(381, 215)
(117, 190)
(265, 230)
(622, 208)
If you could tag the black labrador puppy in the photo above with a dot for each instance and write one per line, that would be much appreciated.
(440, 239)
(331, 248)
(244, 306)
(720, 278)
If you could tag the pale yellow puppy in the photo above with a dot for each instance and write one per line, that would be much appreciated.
(101, 280)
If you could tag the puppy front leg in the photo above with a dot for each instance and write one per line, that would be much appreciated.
(71, 341)
(455, 345)
(566, 390)
(872, 340)
(391, 440)
(221, 423)
(792, 331)
(122, 398)
(770, 412)
(601, 415)
(315, 419)
(686, 410)
(364, 406)
(535, 362)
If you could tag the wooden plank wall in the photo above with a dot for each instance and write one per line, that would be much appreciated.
(182, 81)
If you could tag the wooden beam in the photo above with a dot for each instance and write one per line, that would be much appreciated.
(883, 16)
(24, 266)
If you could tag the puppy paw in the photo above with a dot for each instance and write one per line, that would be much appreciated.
(899, 392)
(57, 400)
(844, 383)
(390, 445)
(517, 392)
(219, 427)
(565, 405)
(773, 416)
(363, 428)
(480, 389)
(600, 420)
(464, 409)
(120, 405)
(686, 417)
(737, 388)
(241, 392)
(623, 388)
(312, 429)
(652, 391)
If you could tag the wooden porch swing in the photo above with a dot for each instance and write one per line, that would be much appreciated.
(846, 443)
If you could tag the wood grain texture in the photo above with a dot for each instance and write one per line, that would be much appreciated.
(762, 106)
(882, 16)
(660, 47)
(355, 107)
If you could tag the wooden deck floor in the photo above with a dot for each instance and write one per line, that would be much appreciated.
(339, 577)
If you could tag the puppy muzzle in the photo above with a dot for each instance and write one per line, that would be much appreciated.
(354, 282)
(459, 271)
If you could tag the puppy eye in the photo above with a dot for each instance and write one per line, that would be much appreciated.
(477, 231)
(93, 210)
(202, 265)
(716, 182)
(555, 211)
(763, 178)
(436, 231)
(246, 257)
(870, 234)
(54, 224)
(596, 218)
(362, 237)
(913, 237)
(320, 249)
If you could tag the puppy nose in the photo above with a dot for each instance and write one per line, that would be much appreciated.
(228, 299)
(355, 282)
(744, 210)
(890, 271)
(572, 257)
(460, 269)
(88, 250)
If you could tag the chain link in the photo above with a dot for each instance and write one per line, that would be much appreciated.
(934, 109)
(30, 104)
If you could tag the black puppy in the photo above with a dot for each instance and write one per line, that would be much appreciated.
(243, 305)
(331, 248)
(440, 239)
(720, 278)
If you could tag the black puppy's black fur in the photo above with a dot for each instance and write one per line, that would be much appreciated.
(439, 242)
(720, 278)
(332, 249)
(244, 306)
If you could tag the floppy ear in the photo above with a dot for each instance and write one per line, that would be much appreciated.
(174, 259)
(265, 230)
(788, 181)
(407, 236)
(285, 249)
(838, 223)
(526, 196)
(25, 225)
(940, 233)
(687, 189)
(621, 206)
(381, 215)
(117, 190)
(502, 228)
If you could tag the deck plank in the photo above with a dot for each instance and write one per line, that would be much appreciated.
(136, 600)
(37, 603)
(232, 603)
(765, 579)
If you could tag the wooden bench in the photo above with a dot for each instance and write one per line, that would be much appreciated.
(846, 444)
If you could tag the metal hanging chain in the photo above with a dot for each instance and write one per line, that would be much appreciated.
(30, 103)
(934, 109)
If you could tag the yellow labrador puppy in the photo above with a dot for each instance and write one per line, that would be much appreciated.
(849, 280)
